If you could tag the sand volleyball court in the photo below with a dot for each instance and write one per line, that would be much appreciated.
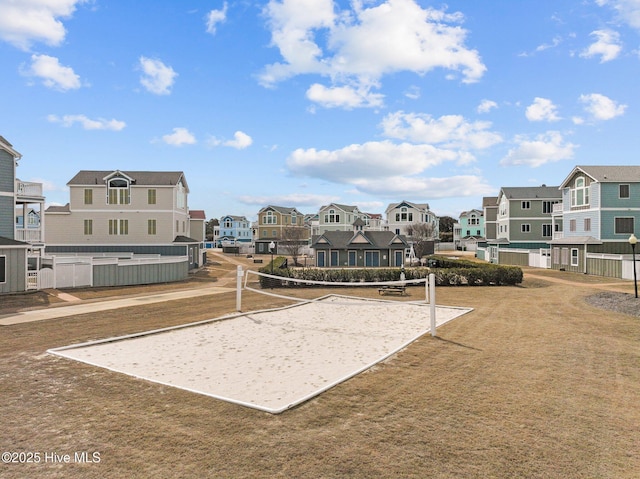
(269, 360)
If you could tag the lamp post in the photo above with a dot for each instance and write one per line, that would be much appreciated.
(632, 241)
(272, 247)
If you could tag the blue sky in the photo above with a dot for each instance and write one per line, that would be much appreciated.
(306, 102)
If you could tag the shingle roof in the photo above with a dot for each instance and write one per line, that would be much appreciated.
(142, 178)
(58, 209)
(490, 201)
(197, 215)
(8, 147)
(343, 239)
(280, 209)
(605, 174)
(531, 192)
(184, 239)
(11, 242)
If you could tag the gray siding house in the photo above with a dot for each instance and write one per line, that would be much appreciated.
(13, 253)
(360, 249)
(599, 211)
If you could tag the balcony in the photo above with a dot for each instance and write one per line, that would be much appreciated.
(29, 235)
(558, 235)
(28, 189)
(557, 208)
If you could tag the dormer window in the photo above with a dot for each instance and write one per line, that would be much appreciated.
(118, 192)
(580, 193)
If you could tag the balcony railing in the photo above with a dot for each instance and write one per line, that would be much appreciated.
(557, 235)
(29, 235)
(557, 207)
(24, 188)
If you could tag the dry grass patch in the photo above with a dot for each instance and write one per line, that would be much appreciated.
(533, 383)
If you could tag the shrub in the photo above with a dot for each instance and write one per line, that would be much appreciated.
(449, 273)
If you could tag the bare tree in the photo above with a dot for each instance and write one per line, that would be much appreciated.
(420, 234)
(293, 239)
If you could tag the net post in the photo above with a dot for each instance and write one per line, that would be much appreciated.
(432, 302)
(239, 276)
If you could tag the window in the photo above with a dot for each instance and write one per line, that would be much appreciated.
(564, 260)
(624, 226)
(118, 192)
(151, 196)
(546, 231)
(118, 227)
(526, 205)
(269, 218)
(547, 206)
(572, 225)
(88, 196)
(580, 193)
(88, 227)
(587, 224)
(294, 219)
(151, 227)
(274, 233)
(525, 228)
(181, 196)
(3, 269)
(624, 191)
(574, 257)
(332, 217)
(228, 223)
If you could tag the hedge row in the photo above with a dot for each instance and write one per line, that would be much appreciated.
(465, 273)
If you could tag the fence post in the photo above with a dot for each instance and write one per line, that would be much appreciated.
(432, 302)
(239, 277)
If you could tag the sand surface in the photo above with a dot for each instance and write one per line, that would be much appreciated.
(270, 360)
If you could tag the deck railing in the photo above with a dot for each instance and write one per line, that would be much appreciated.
(29, 235)
(25, 188)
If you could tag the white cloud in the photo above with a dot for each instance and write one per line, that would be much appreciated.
(601, 107)
(52, 73)
(293, 199)
(486, 106)
(365, 161)
(607, 46)
(545, 148)
(23, 23)
(240, 141)
(545, 46)
(359, 46)
(628, 10)
(157, 77)
(426, 187)
(179, 137)
(450, 131)
(413, 92)
(542, 109)
(88, 123)
(214, 17)
(343, 97)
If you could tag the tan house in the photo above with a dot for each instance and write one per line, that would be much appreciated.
(141, 212)
(272, 224)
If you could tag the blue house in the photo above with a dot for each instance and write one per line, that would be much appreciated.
(599, 211)
(235, 229)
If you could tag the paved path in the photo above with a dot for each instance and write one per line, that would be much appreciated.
(96, 306)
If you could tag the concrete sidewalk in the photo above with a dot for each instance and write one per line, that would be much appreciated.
(97, 306)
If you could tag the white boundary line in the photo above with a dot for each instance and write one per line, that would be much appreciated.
(60, 351)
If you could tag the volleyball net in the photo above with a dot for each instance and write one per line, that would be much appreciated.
(340, 293)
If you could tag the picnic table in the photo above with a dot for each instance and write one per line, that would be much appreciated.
(392, 289)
